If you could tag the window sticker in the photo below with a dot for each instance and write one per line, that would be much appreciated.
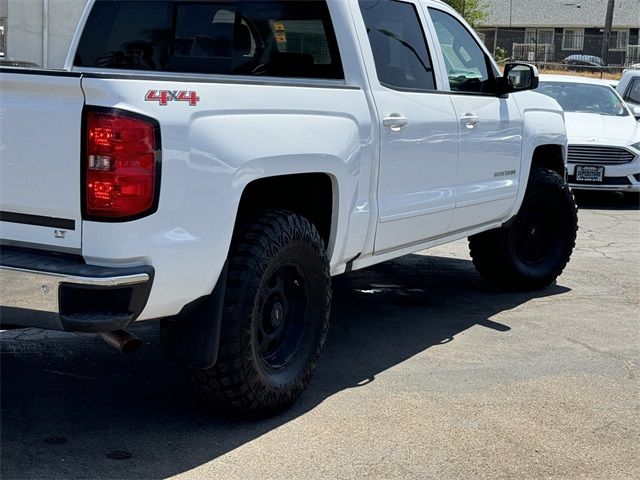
(279, 31)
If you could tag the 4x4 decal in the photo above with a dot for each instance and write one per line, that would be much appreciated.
(163, 97)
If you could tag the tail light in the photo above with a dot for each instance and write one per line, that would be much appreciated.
(121, 165)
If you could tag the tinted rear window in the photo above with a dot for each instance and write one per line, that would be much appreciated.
(398, 44)
(269, 37)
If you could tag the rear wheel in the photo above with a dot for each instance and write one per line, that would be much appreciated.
(276, 316)
(532, 250)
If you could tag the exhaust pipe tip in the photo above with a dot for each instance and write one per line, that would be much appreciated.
(122, 341)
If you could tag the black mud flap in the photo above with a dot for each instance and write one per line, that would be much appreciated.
(191, 339)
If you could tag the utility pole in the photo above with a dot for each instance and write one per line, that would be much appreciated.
(608, 22)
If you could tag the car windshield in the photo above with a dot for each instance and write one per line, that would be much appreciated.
(585, 98)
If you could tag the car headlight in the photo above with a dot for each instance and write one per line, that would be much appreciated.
(636, 146)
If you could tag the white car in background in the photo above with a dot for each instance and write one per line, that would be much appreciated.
(604, 135)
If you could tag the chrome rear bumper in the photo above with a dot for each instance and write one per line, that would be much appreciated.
(53, 291)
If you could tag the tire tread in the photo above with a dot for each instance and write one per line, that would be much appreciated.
(492, 252)
(229, 385)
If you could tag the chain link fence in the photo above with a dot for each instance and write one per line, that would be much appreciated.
(564, 48)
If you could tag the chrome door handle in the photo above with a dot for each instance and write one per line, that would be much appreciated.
(395, 122)
(470, 120)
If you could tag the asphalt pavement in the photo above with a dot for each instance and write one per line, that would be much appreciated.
(427, 373)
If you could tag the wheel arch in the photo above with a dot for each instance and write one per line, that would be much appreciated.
(541, 151)
(551, 157)
(313, 195)
(192, 338)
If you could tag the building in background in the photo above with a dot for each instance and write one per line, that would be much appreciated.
(552, 30)
(40, 31)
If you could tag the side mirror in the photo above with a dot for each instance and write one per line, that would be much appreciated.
(518, 77)
(636, 112)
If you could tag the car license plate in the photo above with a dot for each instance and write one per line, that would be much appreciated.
(589, 174)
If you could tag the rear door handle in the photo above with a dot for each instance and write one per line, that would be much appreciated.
(470, 120)
(395, 122)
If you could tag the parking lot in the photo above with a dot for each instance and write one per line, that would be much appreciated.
(427, 373)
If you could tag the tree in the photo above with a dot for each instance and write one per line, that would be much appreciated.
(473, 11)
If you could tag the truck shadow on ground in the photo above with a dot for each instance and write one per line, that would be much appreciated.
(606, 200)
(73, 408)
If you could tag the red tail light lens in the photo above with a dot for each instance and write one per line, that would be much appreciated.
(121, 165)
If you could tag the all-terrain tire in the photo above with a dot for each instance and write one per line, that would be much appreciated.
(276, 316)
(531, 250)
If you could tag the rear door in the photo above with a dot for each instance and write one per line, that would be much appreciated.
(418, 126)
(40, 125)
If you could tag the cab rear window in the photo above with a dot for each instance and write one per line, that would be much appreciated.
(271, 38)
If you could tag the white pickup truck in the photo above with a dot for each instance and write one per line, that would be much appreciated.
(212, 164)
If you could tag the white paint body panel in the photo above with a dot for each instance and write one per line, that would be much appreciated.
(236, 135)
(40, 120)
(543, 124)
(393, 192)
(417, 169)
(489, 160)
